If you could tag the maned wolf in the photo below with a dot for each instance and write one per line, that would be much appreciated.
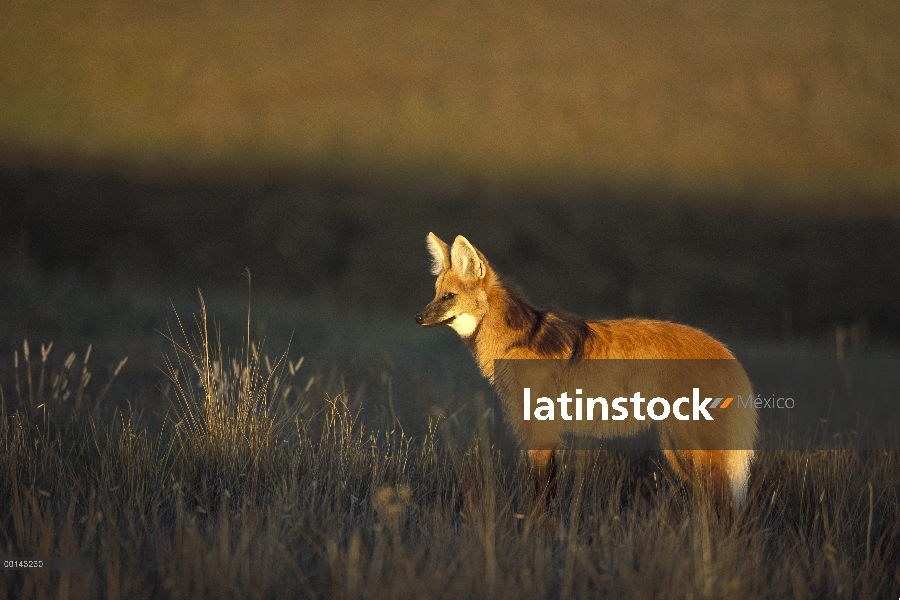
(496, 324)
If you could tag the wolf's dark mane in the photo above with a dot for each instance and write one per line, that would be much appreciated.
(547, 332)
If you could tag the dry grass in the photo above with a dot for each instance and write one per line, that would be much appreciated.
(239, 496)
(802, 96)
(228, 413)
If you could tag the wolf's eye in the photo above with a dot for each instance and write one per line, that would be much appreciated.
(448, 296)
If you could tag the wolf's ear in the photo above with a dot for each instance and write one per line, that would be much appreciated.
(440, 254)
(466, 260)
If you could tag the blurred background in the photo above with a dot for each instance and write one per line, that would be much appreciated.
(735, 166)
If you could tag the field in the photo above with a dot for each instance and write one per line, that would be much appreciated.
(290, 431)
(248, 483)
(376, 466)
(700, 95)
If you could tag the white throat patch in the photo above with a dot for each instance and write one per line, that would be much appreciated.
(464, 324)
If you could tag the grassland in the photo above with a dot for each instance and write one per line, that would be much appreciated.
(731, 166)
(707, 95)
(255, 476)
(371, 471)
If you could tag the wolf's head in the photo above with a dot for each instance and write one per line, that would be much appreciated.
(463, 278)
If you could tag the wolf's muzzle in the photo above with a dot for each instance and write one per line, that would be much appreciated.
(421, 320)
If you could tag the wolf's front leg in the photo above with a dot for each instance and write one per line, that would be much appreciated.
(543, 473)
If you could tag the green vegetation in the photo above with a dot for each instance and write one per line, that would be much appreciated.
(800, 97)
(247, 479)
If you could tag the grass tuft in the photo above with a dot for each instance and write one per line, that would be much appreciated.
(231, 411)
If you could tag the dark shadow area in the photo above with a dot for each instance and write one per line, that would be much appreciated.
(739, 272)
